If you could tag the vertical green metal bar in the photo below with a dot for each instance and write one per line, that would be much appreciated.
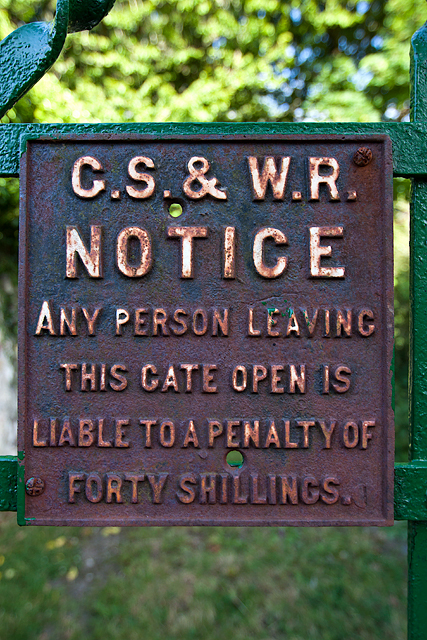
(417, 580)
(418, 329)
(417, 531)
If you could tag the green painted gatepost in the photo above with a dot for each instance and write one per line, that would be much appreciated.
(272, 246)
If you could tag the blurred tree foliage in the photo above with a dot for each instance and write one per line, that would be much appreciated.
(204, 60)
(224, 60)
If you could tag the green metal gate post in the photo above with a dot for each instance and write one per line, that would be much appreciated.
(417, 531)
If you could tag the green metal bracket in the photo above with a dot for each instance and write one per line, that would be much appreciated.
(410, 497)
(409, 140)
(8, 482)
(410, 491)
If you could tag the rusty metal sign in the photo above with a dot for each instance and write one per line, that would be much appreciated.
(206, 331)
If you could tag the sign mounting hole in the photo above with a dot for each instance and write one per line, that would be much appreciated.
(175, 210)
(235, 459)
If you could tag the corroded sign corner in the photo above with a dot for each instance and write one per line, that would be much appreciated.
(205, 331)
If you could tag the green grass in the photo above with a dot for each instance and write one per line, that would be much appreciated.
(201, 583)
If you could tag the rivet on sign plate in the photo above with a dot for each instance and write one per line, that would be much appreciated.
(362, 157)
(34, 486)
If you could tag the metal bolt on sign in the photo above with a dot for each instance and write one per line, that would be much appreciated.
(362, 157)
(272, 414)
(34, 486)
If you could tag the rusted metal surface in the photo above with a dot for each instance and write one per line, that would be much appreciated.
(259, 321)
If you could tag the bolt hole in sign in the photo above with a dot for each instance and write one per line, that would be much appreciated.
(205, 331)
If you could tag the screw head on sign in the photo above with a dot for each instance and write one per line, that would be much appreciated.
(34, 486)
(362, 157)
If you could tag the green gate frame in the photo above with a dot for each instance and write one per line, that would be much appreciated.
(409, 142)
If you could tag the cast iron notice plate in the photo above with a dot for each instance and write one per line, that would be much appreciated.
(206, 331)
